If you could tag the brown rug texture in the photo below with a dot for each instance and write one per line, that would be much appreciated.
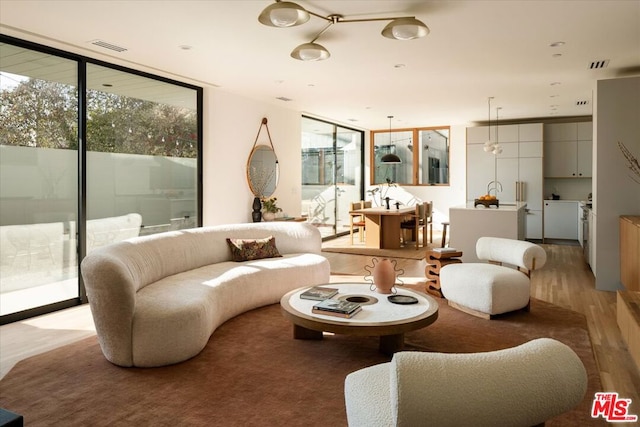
(253, 373)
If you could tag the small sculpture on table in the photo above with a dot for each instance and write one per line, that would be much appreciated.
(383, 275)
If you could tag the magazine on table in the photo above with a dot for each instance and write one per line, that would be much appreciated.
(336, 313)
(337, 306)
(319, 293)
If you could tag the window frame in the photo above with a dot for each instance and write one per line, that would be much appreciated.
(415, 154)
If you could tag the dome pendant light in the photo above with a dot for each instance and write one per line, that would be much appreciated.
(405, 29)
(390, 158)
(283, 14)
(310, 52)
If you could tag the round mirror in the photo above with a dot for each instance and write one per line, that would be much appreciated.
(263, 171)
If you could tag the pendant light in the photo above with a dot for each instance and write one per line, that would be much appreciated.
(488, 145)
(497, 148)
(390, 158)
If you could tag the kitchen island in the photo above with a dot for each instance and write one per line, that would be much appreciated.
(469, 223)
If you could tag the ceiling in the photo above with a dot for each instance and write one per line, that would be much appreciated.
(476, 49)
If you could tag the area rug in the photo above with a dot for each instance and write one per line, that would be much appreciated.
(253, 373)
(343, 245)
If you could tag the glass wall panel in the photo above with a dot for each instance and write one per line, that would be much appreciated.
(433, 156)
(142, 151)
(38, 179)
(331, 174)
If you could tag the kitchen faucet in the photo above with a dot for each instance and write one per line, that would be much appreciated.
(497, 186)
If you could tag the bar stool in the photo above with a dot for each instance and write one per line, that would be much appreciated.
(445, 224)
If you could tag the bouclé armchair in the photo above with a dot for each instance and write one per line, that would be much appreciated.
(520, 386)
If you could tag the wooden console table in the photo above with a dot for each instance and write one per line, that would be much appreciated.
(435, 261)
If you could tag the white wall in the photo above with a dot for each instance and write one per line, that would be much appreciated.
(616, 118)
(231, 124)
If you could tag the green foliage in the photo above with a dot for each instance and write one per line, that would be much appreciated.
(269, 205)
(38, 113)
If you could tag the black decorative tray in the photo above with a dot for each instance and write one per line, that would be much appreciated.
(402, 299)
(486, 203)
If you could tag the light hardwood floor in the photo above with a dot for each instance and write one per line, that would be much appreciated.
(566, 281)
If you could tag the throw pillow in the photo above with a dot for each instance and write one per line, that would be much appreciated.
(250, 249)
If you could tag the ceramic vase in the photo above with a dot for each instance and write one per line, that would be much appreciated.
(268, 216)
(256, 215)
(384, 276)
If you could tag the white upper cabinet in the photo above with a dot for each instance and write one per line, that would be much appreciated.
(530, 132)
(508, 133)
(568, 150)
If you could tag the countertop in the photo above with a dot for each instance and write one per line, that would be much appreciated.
(503, 207)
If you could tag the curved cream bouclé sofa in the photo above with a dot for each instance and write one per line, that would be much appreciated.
(157, 299)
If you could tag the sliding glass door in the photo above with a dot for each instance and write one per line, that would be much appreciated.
(90, 154)
(142, 153)
(332, 174)
(38, 179)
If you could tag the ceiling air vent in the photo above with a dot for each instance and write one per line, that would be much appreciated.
(284, 98)
(603, 63)
(579, 103)
(107, 45)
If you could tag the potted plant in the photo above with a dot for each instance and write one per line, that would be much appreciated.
(270, 208)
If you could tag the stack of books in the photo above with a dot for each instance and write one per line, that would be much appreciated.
(319, 293)
(338, 308)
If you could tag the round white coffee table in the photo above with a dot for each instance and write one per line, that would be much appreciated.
(381, 318)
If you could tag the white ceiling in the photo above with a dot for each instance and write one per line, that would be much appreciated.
(476, 49)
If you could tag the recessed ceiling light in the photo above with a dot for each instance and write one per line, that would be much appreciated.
(556, 55)
(311, 85)
(185, 47)
(553, 96)
(557, 44)
(284, 98)
(399, 66)
(555, 83)
(353, 120)
(107, 85)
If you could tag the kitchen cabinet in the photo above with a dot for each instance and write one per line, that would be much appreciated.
(519, 169)
(568, 150)
(560, 219)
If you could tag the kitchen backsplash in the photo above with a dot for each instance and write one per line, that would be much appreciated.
(567, 188)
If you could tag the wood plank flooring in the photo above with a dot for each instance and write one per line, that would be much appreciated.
(565, 281)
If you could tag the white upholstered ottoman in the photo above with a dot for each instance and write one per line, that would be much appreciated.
(488, 289)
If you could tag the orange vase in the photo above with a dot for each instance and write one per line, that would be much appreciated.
(384, 276)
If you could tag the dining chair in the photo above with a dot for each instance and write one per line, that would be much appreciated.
(420, 220)
(357, 219)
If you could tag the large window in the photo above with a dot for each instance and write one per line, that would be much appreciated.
(423, 154)
(83, 170)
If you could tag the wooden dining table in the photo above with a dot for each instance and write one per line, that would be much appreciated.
(382, 226)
